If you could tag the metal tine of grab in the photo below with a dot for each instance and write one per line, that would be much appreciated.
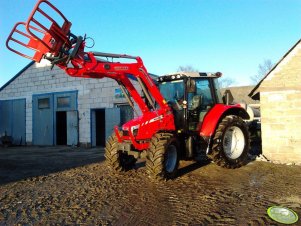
(29, 45)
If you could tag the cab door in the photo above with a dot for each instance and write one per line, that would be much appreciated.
(200, 101)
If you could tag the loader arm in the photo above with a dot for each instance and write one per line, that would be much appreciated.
(49, 37)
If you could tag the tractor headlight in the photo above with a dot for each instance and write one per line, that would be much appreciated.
(134, 130)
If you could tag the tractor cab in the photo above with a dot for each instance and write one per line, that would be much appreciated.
(190, 95)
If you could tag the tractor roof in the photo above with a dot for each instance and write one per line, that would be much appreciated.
(184, 74)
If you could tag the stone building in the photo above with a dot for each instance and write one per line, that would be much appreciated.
(41, 106)
(279, 93)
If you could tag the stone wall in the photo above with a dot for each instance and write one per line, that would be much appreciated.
(280, 99)
(281, 126)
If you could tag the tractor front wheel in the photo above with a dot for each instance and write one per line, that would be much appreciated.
(117, 160)
(231, 143)
(163, 156)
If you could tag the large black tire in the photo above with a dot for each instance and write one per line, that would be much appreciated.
(231, 143)
(163, 157)
(117, 160)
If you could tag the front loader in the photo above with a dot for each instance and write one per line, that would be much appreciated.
(180, 116)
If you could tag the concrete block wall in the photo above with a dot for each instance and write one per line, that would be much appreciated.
(39, 79)
(281, 125)
(280, 99)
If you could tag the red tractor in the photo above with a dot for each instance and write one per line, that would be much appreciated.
(181, 116)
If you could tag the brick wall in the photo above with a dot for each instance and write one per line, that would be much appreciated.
(38, 79)
(280, 99)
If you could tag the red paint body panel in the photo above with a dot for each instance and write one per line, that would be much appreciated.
(154, 122)
(148, 124)
(213, 116)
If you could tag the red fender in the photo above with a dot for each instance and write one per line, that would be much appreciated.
(216, 113)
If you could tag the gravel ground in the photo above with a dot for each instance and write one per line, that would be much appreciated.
(72, 186)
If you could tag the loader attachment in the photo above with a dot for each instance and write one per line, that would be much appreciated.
(21, 42)
(44, 33)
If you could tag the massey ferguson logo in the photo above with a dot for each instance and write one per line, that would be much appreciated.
(156, 119)
(121, 68)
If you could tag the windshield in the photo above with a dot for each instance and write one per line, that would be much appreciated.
(172, 91)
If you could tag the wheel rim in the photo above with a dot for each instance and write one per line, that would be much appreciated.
(234, 142)
(171, 158)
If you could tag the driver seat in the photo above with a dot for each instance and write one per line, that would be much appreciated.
(196, 102)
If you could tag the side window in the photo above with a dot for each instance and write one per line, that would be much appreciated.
(203, 89)
(43, 103)
(218, 91)
(63, 102)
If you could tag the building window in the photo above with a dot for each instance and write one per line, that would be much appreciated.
(43, 103)
(63, 102)
(119, 94)
(126, 113)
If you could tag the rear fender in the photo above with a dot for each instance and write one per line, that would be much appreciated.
(216, 114)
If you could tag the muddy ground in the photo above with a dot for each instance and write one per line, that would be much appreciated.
(65, 186)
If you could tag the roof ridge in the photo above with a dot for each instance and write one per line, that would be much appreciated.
(17, 75)
(252, 93)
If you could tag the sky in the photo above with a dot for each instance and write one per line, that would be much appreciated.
(230, 36)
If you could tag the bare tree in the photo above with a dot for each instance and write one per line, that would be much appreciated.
(187, 68)
(263, 69)
(225, 82)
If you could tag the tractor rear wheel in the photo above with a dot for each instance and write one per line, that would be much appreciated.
(163, 156)
(231, 143)
(117, 160)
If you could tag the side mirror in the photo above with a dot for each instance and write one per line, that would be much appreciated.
(191, 88)
(228, 97)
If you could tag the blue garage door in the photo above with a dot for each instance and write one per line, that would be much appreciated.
(72, 128)
(43, 121)
(55, 119)
(12, 120)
